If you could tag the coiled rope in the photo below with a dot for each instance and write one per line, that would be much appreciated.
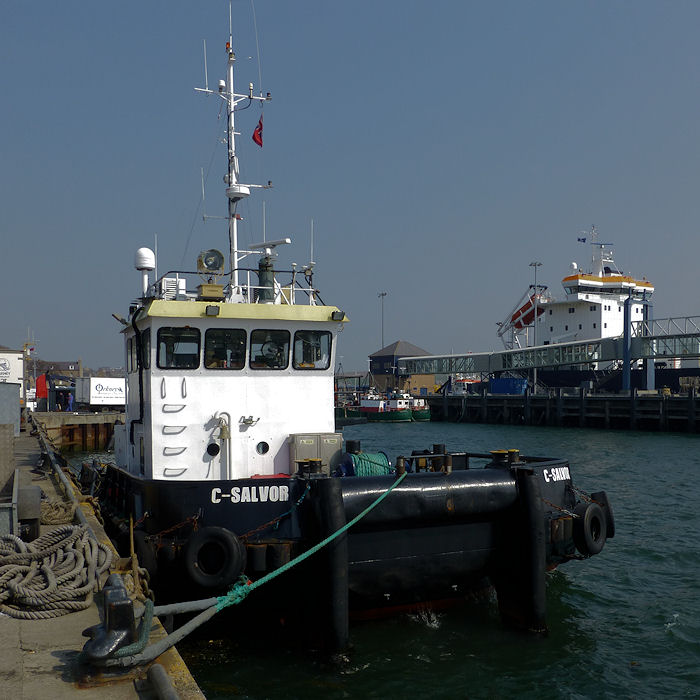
(139, 654)
(52, 576)
(370, 464)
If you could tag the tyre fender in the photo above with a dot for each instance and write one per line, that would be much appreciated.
(214, 557)
(589, 528)
(601, 498)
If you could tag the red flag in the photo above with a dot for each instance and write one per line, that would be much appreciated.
(257, 134)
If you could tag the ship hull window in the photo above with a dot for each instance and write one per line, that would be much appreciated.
(178, 348)
(312, 350)
(224, 348)
(269, 349)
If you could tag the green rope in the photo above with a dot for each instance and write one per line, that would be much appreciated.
(144, 633)
(366, 464)
(241, 589)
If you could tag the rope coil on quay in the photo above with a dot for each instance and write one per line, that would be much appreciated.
(52, 576)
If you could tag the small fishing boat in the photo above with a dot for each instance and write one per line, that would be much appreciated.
(229, 469)
(379, 408)
(403, 402)
(420, 411)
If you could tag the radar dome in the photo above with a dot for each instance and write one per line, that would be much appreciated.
(145, 259)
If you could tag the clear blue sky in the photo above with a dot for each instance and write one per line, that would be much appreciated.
(438, 146)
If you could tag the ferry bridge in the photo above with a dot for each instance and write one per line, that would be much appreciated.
(655, 340)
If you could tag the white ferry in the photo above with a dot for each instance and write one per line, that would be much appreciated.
(593, 306)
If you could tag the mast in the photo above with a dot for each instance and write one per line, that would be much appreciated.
(235, 191)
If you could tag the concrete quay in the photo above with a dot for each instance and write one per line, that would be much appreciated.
(39, 658)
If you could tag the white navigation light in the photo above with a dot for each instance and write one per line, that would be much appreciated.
(211, 262)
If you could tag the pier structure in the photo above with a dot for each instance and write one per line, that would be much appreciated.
(40, 655)
(646, 344)
(79, 432)
(657, 340)
(636, 410)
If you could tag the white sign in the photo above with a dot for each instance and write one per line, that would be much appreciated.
(107, 391)
(11, 369)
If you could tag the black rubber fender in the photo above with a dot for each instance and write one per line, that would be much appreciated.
(601, 498)
(589, 528)
(214, 557)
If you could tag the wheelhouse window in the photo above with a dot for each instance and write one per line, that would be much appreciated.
(224, 348)
(178, 348)
(269, 349)
(312, 350)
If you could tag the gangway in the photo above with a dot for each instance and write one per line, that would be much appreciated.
(661, 339)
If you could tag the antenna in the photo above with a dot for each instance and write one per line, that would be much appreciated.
(204, 212)
(206, 76)
(264, 238)
(312, 242)
(269, 246)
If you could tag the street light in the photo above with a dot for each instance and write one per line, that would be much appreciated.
(381, 296)
(535, 264)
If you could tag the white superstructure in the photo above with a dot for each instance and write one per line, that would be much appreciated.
(594, 302)
(226, 371)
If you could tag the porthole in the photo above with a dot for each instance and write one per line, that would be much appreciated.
(213, 449)
(262, 448)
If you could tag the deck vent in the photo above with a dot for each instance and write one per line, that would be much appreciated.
(173, 288)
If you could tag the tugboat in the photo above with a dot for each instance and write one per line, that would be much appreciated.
(229, 467)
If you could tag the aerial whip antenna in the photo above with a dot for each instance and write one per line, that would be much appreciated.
(206, 75)
(257, 46)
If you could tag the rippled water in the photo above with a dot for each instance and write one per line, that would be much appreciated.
(623, 624)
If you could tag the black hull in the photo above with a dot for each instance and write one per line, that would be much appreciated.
(437, 535)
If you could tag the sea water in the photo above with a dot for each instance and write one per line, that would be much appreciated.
(623, 624)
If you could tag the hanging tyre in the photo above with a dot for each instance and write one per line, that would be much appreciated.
(214, 557)
(601, 498)
(590, 528)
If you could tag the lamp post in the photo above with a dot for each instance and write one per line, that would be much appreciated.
(381, 296)
(535, 264)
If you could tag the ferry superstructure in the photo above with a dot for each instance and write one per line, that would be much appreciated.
(593, 305)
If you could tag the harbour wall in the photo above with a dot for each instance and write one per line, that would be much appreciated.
(636, 410)
(79, 432)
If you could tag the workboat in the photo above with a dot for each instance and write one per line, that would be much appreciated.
(420, 411)
(379, 408)
(229, 473)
